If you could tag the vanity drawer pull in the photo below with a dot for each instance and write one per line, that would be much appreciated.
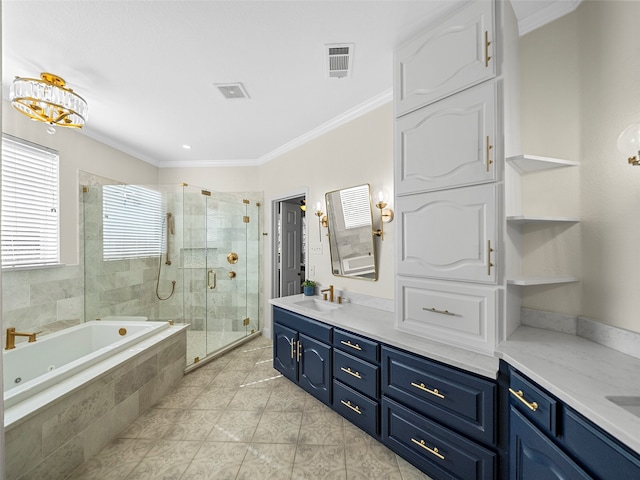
(533, 406)
(433, 451)
(425, 389)
(435, 310)
(355, 408)
(349, 344)
(350, 372)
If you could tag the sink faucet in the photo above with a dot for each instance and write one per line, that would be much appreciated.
(330, 290)
(12, 334)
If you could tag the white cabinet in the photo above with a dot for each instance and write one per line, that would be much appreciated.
(449, 312)
(453, 55)
(449, 234)
(449, 143)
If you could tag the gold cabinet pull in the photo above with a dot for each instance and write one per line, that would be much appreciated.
(351, 372)
(489, 264)
(435, 310)
(428, 390)
(489, 147)
(533, 406)
(349, 344)
(355, 408)
(486, 48)
(433, 451)
(215, 279)
(299, 352)
(292, 354)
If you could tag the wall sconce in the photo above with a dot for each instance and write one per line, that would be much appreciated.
(322, 220)
(629, 143)
(386, 214)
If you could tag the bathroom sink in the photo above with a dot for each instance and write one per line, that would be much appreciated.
(630, 403)
(317, 304)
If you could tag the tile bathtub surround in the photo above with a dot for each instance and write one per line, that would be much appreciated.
(53, 442)
(238, 418)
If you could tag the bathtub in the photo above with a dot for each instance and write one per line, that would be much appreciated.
(31, 368)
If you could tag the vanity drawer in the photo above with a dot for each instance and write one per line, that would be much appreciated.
(454, 398)
(312, 328)
(358, 409)
(434, 448)
(356, 345)
(448, 312)
(361, 375)
(533, 402)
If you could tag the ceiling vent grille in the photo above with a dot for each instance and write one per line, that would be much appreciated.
(232, 90)
(339, 60)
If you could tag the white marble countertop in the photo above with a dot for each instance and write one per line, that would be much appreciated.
(577, 371)
(380, 325)
(582, 374)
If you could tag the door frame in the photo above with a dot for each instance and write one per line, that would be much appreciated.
(275, 202)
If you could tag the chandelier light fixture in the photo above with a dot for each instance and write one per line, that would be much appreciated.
(49, 100)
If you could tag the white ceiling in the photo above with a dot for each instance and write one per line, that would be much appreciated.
(147, 68)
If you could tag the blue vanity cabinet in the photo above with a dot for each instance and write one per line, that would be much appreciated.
(547, 436)
(439, 418)
(356, 380)
(302, 352)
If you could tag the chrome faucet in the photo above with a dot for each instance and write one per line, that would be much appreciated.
(12, 334)
(330, 290)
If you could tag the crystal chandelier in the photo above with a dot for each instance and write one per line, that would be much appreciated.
(48, 100)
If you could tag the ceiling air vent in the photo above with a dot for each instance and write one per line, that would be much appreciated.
(232, 90)
(339, 60)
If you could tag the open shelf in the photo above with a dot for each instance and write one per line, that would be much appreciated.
(527, 281)
(522, 219)
(531, 163)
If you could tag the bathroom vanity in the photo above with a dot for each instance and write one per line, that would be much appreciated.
(546, 406)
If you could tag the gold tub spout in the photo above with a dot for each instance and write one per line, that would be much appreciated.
(12, 334)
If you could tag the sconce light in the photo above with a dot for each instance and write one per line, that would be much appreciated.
(322, 221)
(629, 143)
(386, 214)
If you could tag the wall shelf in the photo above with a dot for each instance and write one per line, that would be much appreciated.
(542, 280)
(531, 163)
(527, 219)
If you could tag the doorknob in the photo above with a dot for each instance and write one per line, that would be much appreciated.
(232, 258)
(232, 274)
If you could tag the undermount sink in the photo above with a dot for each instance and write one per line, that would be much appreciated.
(317, 304)
(630, 403)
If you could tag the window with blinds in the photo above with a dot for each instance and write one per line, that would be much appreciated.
(30, 218)
(356, 207)
(132, 222)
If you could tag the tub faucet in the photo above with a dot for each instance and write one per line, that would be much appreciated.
(12, 334)
(330, 290)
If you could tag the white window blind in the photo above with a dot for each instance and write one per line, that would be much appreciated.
(30, 220)
(356, 207)
(132, 222)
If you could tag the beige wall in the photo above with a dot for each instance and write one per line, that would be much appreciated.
(356, 153)
(77, 152)
(220, 179)
(580, 78)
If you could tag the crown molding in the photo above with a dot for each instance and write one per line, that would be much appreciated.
(557, 9)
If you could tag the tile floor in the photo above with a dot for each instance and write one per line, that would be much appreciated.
(237, 418)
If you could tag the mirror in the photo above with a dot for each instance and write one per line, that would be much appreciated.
(351, 233)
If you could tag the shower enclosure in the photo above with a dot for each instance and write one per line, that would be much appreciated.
(180, 253)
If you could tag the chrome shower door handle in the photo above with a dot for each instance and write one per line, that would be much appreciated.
(211, 286)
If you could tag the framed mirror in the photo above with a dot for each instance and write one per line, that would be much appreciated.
(351, 233)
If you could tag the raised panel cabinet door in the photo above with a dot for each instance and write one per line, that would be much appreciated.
(315, 368)
(453, 55)
(450, 234)
(449, 143)
(284, 351)
(532, 456)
